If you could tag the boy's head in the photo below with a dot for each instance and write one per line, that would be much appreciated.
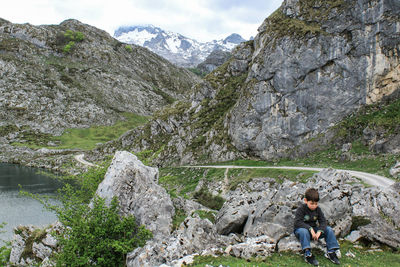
(311, 198)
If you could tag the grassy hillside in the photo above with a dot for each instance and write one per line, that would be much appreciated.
(82, 138)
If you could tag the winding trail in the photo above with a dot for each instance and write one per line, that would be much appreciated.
(80, 159)
(371, 179)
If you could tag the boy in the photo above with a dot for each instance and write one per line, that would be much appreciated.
(310, 223)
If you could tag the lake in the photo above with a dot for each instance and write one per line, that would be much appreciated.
(21, 210)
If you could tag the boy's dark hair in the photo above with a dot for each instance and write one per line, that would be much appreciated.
(311, 195)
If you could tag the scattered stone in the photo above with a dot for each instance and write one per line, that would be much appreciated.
(350, 254)
(354, 236)
(395, 170)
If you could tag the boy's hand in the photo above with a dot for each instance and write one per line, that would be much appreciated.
(317, 235)
(314, 235)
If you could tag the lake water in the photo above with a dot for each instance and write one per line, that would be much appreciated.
(21, 210)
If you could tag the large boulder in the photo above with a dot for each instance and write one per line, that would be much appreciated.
(265, 208)
(195, 235)
(135, 186)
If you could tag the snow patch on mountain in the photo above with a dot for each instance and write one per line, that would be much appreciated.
(178, 49)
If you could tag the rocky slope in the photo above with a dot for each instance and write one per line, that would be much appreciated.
(178, 49)
(73, 75)
(311, 64)
(255, 221)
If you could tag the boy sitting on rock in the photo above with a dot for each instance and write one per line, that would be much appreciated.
(310, 223)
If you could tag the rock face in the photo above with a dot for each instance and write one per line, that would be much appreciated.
(215, 59)
(311, 64)
(47, 87)
(305, 78)
(136, 188)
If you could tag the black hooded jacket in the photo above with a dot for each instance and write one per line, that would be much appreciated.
(306, 218)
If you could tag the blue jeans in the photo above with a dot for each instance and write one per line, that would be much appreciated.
(304, 236)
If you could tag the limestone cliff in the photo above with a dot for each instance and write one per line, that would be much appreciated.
(74, 75)
(312, 63)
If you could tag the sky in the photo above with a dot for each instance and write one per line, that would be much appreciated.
(203, 20)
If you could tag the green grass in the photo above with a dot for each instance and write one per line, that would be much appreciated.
(237, 176)
(362, 258)
(363, 160)
(87, 138)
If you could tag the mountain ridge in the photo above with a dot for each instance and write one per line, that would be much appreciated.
(178, 49)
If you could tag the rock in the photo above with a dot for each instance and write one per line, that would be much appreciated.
(291, 243)
(258, 247)
(346, 147)
(135, 186)
(24, 252)
(187, 205)
(382, 232)
(18, 246)
(395, 170)
(213, 60)
(193, 236)
(41, 251)
(354, 236)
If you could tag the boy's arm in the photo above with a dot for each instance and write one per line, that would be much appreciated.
(321, 220)
(299, 219)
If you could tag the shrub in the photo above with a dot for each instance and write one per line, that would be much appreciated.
(204, 197)
(96, 235)
(5, 250)
(67, 48)
(128, 48)
(72, 38)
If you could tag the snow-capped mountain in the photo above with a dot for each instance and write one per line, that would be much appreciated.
(178, 49)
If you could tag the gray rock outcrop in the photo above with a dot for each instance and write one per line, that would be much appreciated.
(32, 246)
(215, 59)
(136, 188)
(257, 220)
(306, 78)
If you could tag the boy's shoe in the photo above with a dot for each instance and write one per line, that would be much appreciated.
(332, 257)
(311, 260)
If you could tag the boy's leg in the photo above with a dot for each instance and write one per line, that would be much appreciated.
(304, 237)
(330, 239)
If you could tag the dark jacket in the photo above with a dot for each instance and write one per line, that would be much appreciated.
(306, 218)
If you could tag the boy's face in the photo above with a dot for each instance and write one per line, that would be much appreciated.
(312, 205)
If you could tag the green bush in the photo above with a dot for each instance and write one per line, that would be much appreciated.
(72, 38)
(128, 48)
(94, 234)
(67, 48)
(5, 250)
(97, 235)
(204, 197)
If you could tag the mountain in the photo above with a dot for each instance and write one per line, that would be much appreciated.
(311, 65)
(176, 48)
(74, 75)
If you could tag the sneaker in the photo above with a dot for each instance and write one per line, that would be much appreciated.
(332, 257)
(311, 260)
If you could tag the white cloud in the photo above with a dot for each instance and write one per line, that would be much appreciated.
(203, 20)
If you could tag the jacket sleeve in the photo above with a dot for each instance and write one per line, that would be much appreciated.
(299, 219)
(321, 220)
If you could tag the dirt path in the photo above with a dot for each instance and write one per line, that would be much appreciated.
(371, 179)
(80, 159)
